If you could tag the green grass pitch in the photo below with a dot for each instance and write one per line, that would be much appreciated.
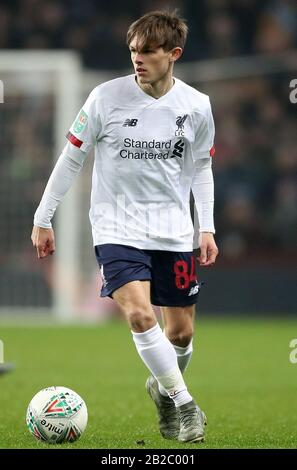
(240, 375)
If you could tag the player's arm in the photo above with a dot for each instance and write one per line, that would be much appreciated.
(82, 137)
(203, 186)
(66, 169)
(203, 192)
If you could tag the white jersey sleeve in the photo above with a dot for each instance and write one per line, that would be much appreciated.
(203, 192)
(204, 139)
(82, 137)
(86, 128)
(202, 184)
(66, 169)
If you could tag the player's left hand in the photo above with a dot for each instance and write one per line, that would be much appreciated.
(208, 250)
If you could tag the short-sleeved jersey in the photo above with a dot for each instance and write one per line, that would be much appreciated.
(145, 151)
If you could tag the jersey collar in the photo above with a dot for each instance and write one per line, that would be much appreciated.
(149, 97)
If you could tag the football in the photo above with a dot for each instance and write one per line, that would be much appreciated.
(56, 415)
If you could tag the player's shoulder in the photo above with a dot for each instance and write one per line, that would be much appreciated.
(199, 101)
(112, 88)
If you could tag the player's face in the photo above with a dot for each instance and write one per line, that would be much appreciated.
(151, 64)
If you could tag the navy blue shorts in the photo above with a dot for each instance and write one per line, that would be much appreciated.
(172, 274)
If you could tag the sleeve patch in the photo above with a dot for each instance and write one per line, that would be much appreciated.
(74, 140)
(80, 122)
(212, 151)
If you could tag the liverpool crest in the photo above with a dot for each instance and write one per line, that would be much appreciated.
(180, 120)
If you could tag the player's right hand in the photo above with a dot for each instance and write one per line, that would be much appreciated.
(44, 241)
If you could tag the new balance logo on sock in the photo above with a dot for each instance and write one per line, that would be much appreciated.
(130, 123)
(194, 290)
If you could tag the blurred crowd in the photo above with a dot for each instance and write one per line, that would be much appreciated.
(255, 168)
(97, 28)
(26, 159)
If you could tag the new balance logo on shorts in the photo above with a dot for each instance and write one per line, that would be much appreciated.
(194, 290)
(130, 123)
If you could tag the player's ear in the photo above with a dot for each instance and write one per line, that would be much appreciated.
(175, 54)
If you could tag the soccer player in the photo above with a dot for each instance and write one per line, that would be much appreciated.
(153, 137)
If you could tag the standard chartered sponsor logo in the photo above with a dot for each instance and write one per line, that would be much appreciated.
(143, 155)
(147, 144)
(146, 149)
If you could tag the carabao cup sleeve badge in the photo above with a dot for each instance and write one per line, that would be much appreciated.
(80, 122)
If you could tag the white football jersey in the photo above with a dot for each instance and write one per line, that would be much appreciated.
(145, 149)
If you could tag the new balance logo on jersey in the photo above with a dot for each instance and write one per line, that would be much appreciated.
(178, 149)
(194, 290)
(130, 123)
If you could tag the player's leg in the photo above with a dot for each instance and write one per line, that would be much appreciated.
(125, 272)
(133, 298)
(175, 286)
(179, 328)
(154, 348)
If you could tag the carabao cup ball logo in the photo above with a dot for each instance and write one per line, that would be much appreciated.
(56, 415)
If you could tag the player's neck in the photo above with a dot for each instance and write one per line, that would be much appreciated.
(159, 88)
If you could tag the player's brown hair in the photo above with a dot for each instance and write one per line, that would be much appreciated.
(161, 28)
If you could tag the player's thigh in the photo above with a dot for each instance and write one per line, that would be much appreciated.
(131, 294)
(133, 299)
(179, 324)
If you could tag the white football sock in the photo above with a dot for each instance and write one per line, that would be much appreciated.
(183, 358)
(159, 356)
(184, 355)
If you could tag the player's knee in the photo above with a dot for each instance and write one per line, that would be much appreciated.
(140, 320)
(180, 338)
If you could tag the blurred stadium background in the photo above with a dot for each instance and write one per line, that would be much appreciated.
(243, 54)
